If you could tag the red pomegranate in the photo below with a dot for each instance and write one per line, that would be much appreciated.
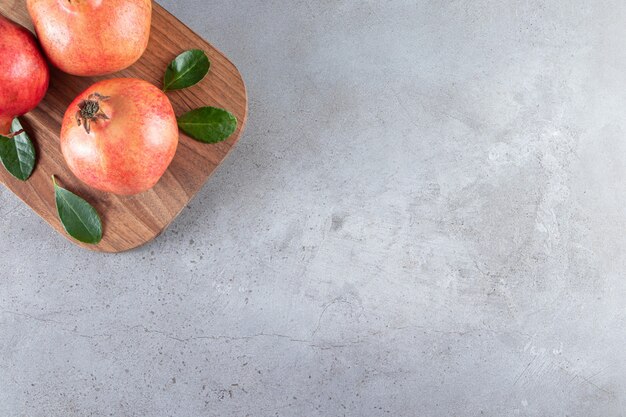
(120, 135)
(92, 37)
(24, 74)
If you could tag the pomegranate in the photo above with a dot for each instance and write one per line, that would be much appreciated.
(120, 135)
(24, 74)
(92, 37)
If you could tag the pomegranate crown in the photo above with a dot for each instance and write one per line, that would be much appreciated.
(89, 111)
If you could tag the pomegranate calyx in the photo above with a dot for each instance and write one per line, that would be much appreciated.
(89, 110)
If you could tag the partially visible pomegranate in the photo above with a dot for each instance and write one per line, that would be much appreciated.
(24, 74)
(92, 37)
(120, 135)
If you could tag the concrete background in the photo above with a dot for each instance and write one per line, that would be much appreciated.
(425, 217)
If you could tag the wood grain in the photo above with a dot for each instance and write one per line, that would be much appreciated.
(130, 222)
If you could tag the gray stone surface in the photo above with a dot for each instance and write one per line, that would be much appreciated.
(425, 217)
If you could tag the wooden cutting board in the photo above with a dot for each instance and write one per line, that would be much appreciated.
(130, 222)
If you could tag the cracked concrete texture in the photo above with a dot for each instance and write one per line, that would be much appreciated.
(424, 218)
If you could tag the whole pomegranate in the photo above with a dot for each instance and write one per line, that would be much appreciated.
(24, 74)
(92, 37)
(120, 135)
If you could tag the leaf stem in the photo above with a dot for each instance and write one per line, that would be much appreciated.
(14, 134)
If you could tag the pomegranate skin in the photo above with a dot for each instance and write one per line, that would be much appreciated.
(24, 73)
(92, 37)
(130, 151)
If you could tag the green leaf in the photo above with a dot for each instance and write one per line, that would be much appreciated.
(80, 220)
(17, 153)
(208, 124)
(189, 68)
